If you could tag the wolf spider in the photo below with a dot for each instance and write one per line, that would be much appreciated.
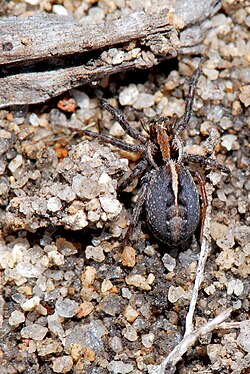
(168, 190)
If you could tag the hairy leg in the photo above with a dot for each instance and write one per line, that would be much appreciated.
(200, 179)
(138, 171)
(124, 124)
(205, 161)
(136, 213)
(113, 141)
(189, 99)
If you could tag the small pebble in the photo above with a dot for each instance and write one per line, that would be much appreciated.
(88, 276)
(85, 309)
(128, 95)
(147, 340)
(62, 364)
(128, 256)
(87, 336)
(212, 74)
(59, 9)
(96, 253)
(139, 281)
(244, 336)
(28, 270)
(16, 318)
(210, 290)
(228, 140)
(116, 344)
(48, 346)
(106, 286)
(55, 325)
(143, 100)
(119, 367)
(130, 314)
(82, 100)
(130, 333)
(218, 230)
(34, 120)
(235, 286)
(31, 304)
(15, 163)
(54, 204)
(175, 293)
(118, 58)
(169, 262)
(111, 304)
(110, 205)
(56, 258)
(34, 331)
(66, 308)
(244, 96)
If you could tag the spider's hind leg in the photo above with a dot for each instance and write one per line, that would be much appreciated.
(136, 173)
(203, 206)
(136, 213)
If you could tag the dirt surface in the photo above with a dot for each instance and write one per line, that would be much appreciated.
(71, 300)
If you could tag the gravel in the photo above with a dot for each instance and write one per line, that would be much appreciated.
(73, 300)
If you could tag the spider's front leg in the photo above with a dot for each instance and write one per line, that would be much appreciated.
(118, 116)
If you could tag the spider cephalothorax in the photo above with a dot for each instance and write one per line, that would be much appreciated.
(168, 187)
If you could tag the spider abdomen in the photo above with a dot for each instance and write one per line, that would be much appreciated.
(172, 204)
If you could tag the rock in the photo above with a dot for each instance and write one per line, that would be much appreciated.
(130, 333)
(34, 331)
(66, 308)
(88, 335)
(147, 340)
(31, 304)
(49, 346)
(143, 100)
(128, 95)
(111, 304)
(228, 140)
(128, 256)
(96, 253)
(110, 205)
(140, 281)
(62, 364)
(15, 163)
(116, 344)
(16, 318)
(169, 262)
(130, 314)
(119, 367)
(175, 293)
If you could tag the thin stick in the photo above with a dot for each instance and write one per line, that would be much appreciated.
(205, 250)
(187, 342)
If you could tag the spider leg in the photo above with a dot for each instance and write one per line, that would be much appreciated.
(124, 124)
(113, 141)
(204, 161)
(189, 99)
(204, 204)
(136, 212)
(136, 173)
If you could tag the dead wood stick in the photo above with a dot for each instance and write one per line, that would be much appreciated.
(44, 55)
(188, 341)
